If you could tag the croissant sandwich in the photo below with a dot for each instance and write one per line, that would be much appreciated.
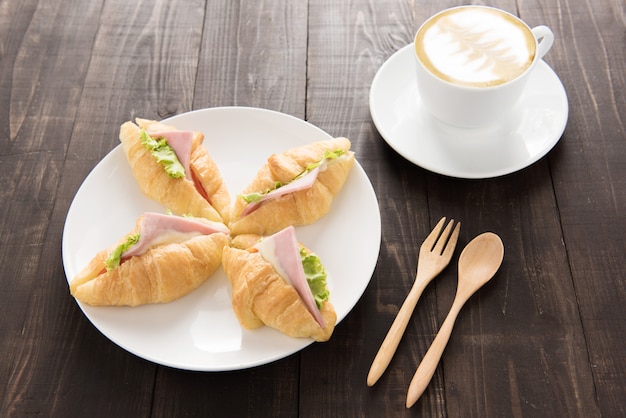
(295, 187)
(163, 258)
(280, 283)
(173, 168)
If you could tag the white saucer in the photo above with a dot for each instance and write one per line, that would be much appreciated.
(508, 146)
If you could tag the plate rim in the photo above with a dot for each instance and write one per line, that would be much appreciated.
(352, 300)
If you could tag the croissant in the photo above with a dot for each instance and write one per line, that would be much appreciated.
(300, 207)
(162, 274)
(262, 297)
(205, 195)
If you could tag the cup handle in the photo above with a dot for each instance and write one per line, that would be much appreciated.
(545, 39)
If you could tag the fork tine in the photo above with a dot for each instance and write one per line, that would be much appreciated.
(447, 252)
(429, 265)
(443, 238)
(430, 240)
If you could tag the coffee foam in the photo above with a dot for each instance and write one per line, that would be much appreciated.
(475, 46)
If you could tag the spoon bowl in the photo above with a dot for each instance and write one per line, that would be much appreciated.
(479, 261)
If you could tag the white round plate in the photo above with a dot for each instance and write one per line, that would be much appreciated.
(200, 330)
(508, 146)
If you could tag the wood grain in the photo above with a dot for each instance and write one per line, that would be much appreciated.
(348, 42)
(43, 70)
(254, 54)
(594, 143)
(514, 311)
(544, 338)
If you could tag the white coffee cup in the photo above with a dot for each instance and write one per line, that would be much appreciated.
(473, 63)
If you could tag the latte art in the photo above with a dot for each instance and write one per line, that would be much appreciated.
(475, 46)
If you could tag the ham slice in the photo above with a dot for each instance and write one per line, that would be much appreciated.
(283, 252)
(302, 183)
(157, 228)
(180, 141)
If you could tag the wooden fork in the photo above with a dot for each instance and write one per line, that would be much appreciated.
(435, 254)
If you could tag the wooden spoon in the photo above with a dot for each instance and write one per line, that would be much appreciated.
(479, 261)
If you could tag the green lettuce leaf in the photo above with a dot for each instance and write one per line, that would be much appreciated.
(113, 260)
(255, 197)
(328, 155)
(164, 154)
(315, 276)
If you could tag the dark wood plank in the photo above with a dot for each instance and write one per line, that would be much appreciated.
(519, 343)
(544, 338)
(473, 364)
(590, 181)
(143, 64)
(85, 81)
(252, 54)
(348, 42)
(42, 79)
(268, 390)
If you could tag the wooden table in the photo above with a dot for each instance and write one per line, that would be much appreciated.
(545, 338)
